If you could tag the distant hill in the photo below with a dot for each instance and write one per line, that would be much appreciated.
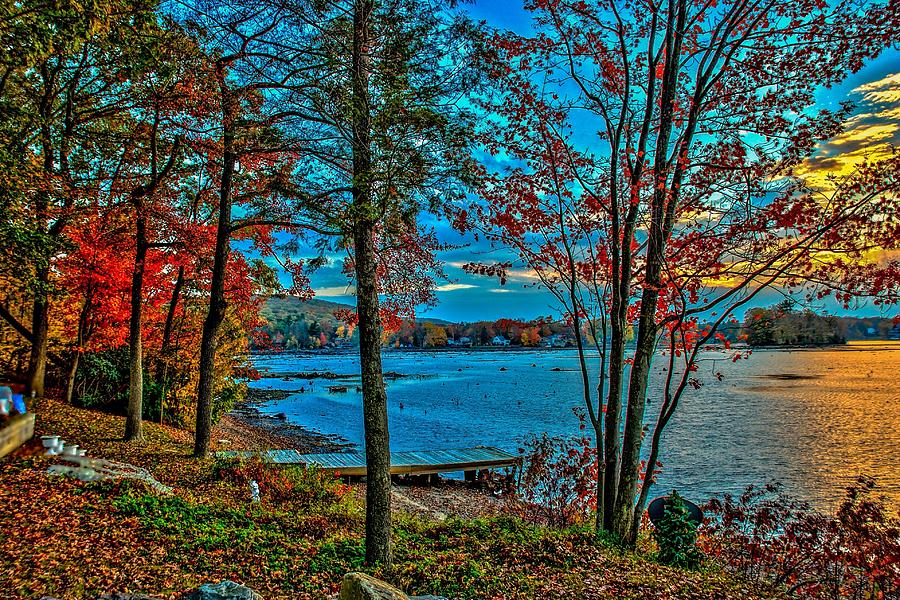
(281, 308)
(292, 323)
(277, 308)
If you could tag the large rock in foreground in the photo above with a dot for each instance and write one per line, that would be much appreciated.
(225, 590)
(359, 586)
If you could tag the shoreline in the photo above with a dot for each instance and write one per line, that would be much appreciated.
(885, 344)
(284, 435)
(439, 499)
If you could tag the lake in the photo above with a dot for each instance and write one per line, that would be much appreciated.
(810, 419)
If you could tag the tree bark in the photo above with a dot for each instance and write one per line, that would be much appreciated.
(613, 411)
(170, 320)
(661, 204)
(37, 361)
(80, 340)
(162, 364)
(73, 372)
(217, 303)
(378, 454)
(134, 414)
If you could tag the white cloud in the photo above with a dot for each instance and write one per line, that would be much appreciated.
(340, 290)
(865, 136)
(884, 90)
(452, 287)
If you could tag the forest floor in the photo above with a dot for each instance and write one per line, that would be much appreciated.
(65, 538)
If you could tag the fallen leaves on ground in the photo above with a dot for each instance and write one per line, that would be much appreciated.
(70, 539)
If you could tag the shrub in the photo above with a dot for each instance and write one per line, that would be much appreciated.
(557, 482)
(102, 380)
(772, 539)
(304, 487)
(676, 535)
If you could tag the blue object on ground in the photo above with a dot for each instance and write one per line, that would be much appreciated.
(18, 402)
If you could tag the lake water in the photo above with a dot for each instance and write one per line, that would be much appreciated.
(814, 433)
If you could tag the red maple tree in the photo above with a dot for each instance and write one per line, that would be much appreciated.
(646, 178)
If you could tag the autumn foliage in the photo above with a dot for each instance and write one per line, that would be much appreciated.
(769, 537)
(641, 162)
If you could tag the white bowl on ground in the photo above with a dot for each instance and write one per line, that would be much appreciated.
(49, 441)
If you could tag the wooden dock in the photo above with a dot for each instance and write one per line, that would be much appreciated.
(426, 462)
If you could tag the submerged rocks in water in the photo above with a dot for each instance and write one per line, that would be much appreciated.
(300, 438)
(310, 375)
(225, 590)
(257, 395)
(790, 376)
(359, 586)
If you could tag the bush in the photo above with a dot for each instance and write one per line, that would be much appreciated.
(305, 487)
(102, 380)
(557, 482)
(772, 539)
(676, 535)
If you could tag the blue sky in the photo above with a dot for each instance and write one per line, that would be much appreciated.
(470, 298)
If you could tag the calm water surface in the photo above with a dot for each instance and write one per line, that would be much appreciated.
(814, 433)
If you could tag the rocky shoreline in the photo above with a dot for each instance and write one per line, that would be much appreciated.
(284, 434)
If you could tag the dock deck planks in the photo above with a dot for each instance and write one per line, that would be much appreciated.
(424, 462)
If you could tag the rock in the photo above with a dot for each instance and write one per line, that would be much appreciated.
(359, 586)
(225, 590)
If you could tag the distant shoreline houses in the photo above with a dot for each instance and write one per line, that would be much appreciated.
(292, 324)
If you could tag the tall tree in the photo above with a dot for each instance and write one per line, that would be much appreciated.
(60, 99)
(684, 202)
(167, 78)
(251, 162)
(371, 105)
(364, 221)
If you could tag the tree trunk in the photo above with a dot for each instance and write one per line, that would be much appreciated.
(162, 364)
(378, 453)
(80, 340)
(217, 303)
(170, 322)
(73, 372)
(37, 361)
(134, 414)
(661, 205)
(611, 418)
(634, 418)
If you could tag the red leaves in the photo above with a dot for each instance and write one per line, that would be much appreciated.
(558, 481)
(772, 539)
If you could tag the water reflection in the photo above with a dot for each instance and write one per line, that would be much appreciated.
(812, 419)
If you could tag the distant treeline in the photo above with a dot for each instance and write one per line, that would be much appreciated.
(785, 325)
(292, 324)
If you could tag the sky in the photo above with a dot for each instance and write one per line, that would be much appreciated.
(875, 89)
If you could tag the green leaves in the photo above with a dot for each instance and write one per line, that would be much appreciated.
(676, 535)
